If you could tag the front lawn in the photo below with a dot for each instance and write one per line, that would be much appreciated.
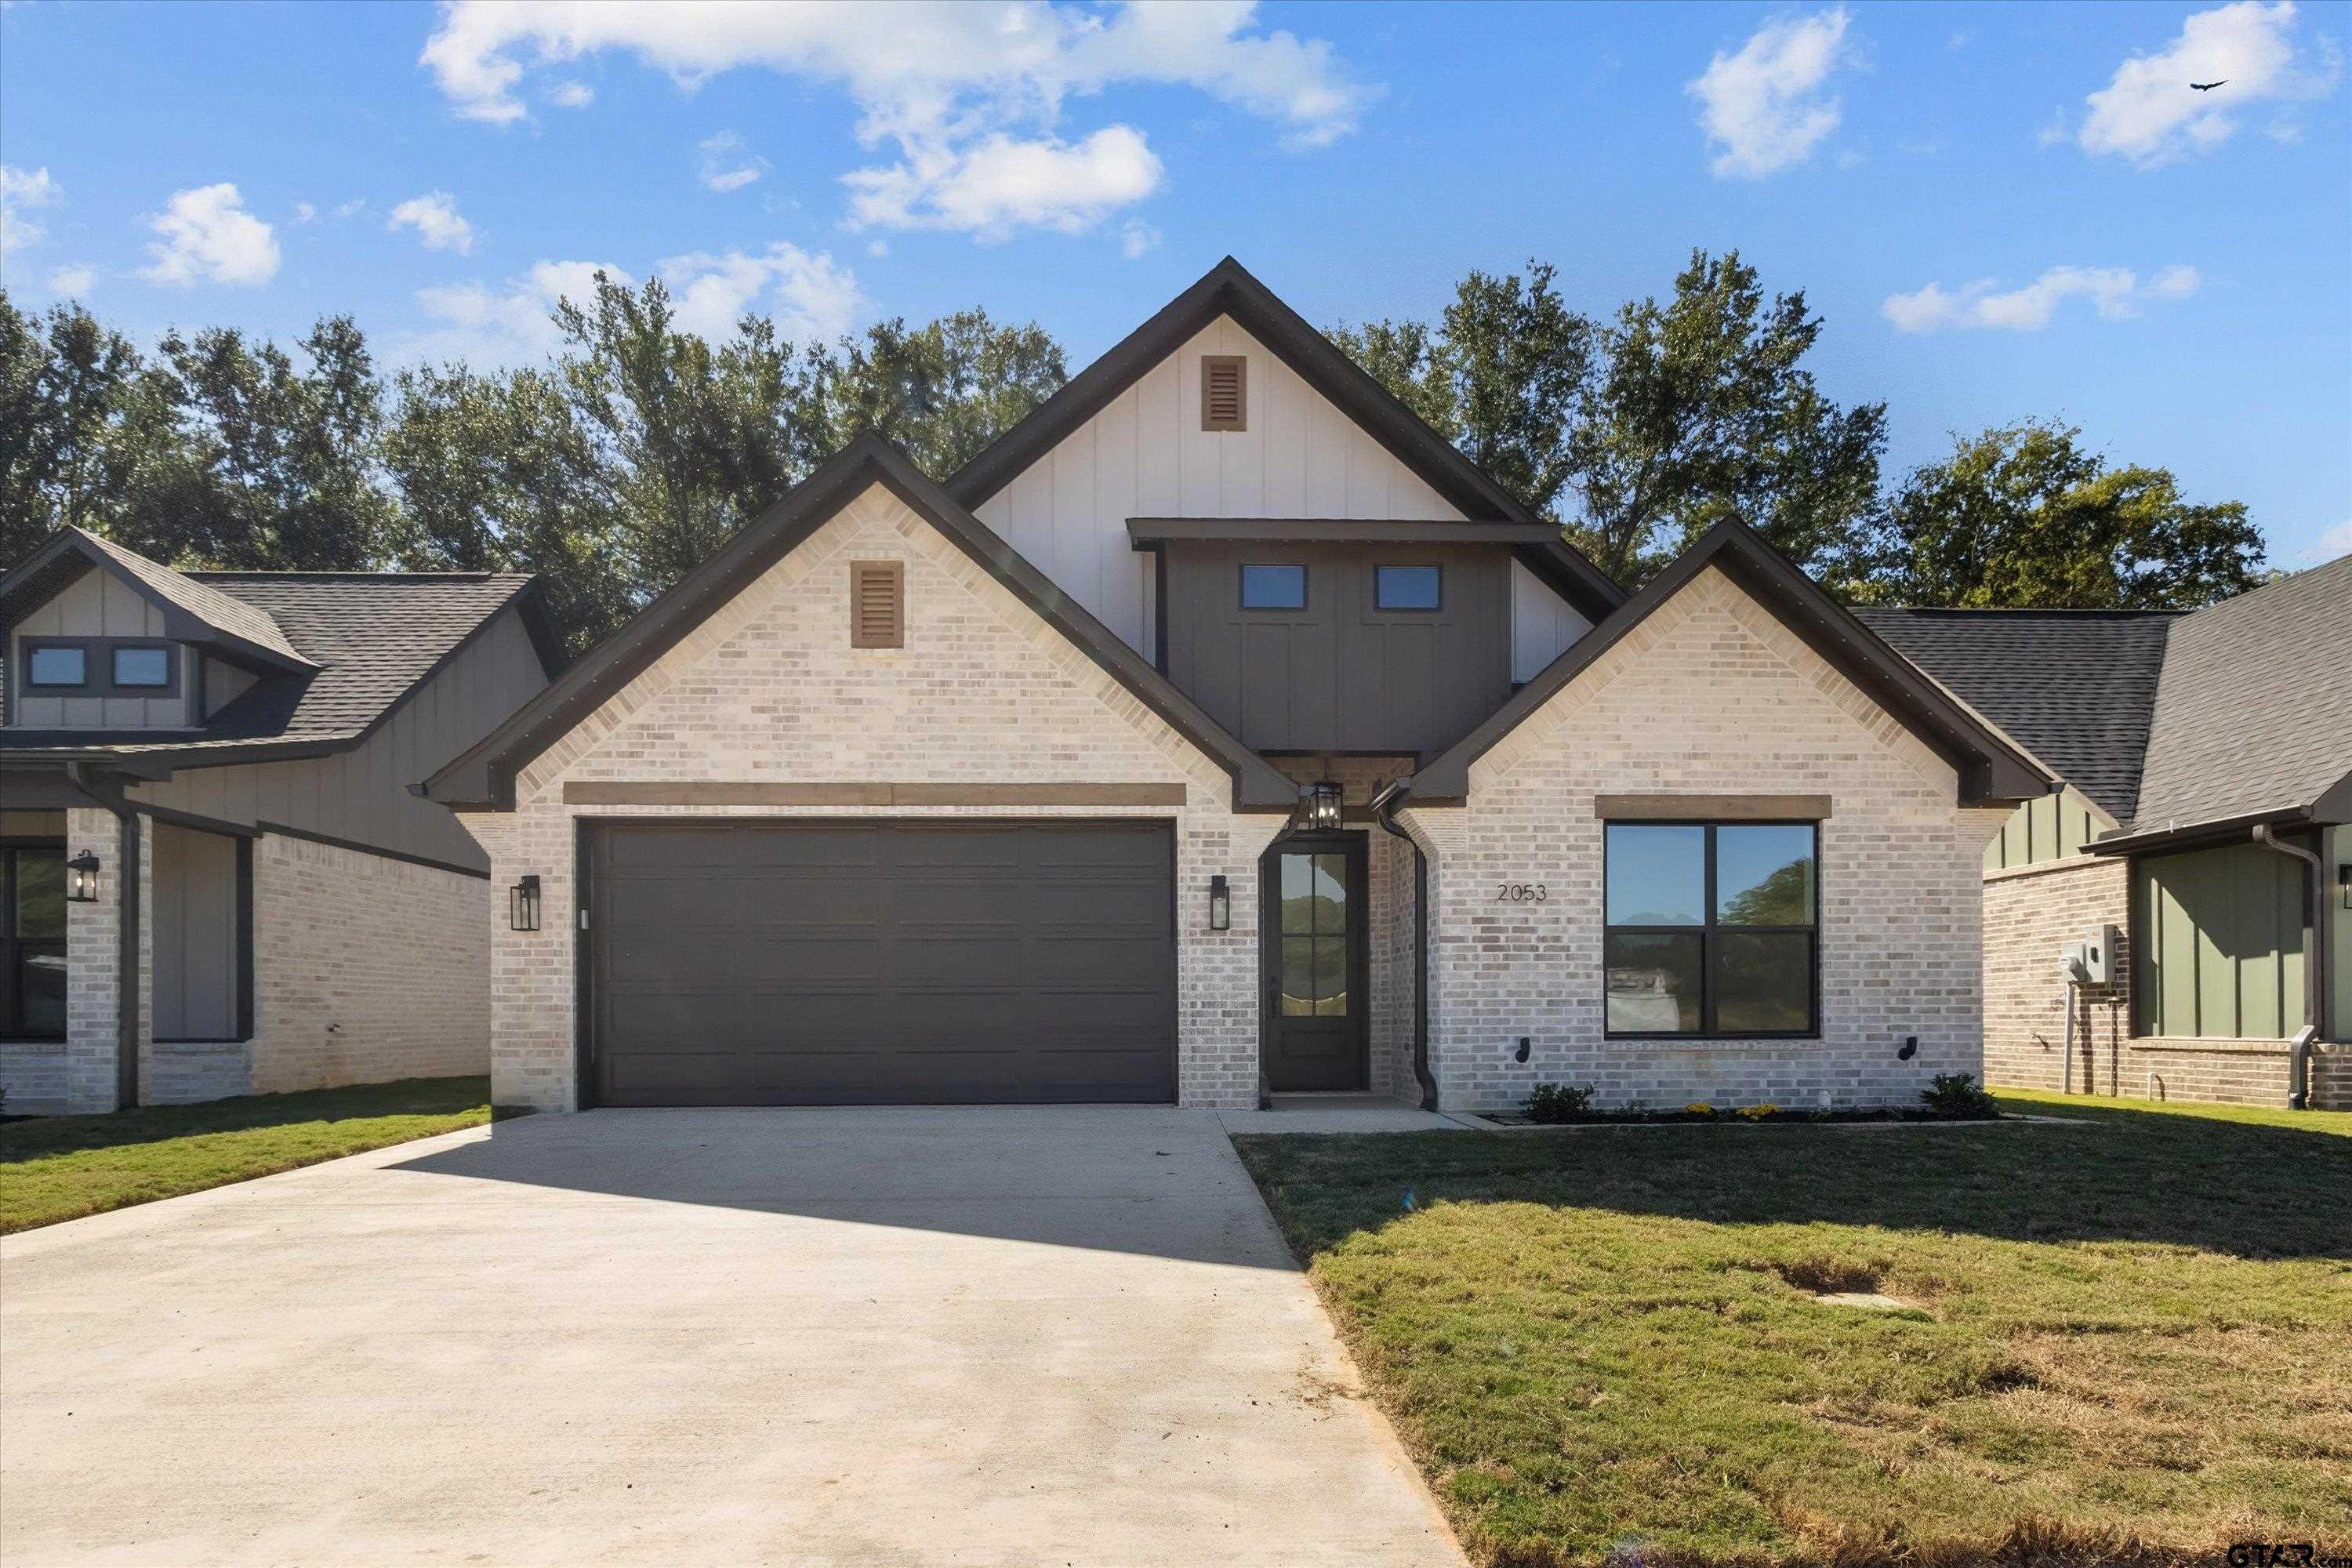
(62, 1167)
(1604, 1342)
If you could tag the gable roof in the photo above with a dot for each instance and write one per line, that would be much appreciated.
(1229, 290)
(2076, 686)
(483, 776)
(193, 611)
(2254, 711)
(1992, 767)
(366, 642)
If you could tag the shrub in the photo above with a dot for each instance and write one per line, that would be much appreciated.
(1698, 1108)
(1556, 1102)
(1758, 1113)
(1959, 1095)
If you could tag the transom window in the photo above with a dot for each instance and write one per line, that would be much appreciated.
(142, 667)
(1405, 587)
(1712, 929)
(1274, 588)
(56, 664)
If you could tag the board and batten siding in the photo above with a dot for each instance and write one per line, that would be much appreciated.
(362, 795)
(2049, 827)
(1145, 455)
(2220, 943)
(98, 604)
(193, 920)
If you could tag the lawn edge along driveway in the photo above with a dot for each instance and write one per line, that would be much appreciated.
(2124, 1337)
(56, 1168)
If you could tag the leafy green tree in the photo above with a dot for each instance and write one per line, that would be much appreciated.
(2023, 516)
(1642, 432)
(942, 390)
(67, 386)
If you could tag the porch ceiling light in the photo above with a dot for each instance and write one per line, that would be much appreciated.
(1323, 805)
(82, 878)
(1221, 904)
(523, 905)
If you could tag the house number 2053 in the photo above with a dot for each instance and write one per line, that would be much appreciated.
(1521, 893)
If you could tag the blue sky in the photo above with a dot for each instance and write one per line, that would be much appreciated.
(2001, 210)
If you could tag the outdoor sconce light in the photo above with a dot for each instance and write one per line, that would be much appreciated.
(82, 878)
(1221, 904)
(2344, 881)
(524, 914)
(1323, 805)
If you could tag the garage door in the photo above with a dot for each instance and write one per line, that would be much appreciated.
(879, 963)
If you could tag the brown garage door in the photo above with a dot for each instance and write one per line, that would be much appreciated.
(879, 963)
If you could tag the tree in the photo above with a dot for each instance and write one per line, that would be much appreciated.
(66, 388)
(2021, 516)
(1641, 433)
(943, 390)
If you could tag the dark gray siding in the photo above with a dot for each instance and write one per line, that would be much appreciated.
(1341, 675)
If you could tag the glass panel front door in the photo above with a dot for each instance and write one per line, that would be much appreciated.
(1317, 1035)
(32, 942)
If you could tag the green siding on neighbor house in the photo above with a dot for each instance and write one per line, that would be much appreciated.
(2042, 830)
(2218, 943)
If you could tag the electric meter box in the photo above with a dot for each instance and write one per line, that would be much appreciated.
(2099, 945)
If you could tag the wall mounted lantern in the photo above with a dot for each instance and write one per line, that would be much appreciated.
(82, 878)
(524, 905)
(2344, 882)
(1323, 805)
(1221, 904)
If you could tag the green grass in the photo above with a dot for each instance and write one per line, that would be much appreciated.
(2126, 1342)
(63, 1167)
(2045, 1102)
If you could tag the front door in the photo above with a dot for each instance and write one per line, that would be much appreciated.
(32, 940)
(1317, 1026)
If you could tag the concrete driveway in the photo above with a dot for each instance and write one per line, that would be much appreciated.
(874, 1336)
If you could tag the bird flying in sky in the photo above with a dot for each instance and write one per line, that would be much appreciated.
(2207, 86)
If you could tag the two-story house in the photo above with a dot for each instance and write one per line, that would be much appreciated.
(215, 876)
(1223, 731)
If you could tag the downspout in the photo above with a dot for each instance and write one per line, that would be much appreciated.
(126, 959)
(1384, 812)
(2298, 1080)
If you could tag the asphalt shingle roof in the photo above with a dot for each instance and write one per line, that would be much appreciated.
(374, 636)
(191, 593)
(2076, 686)
(2255, 710)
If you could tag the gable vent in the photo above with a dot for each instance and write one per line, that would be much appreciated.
(1224, 391)
(877, 604)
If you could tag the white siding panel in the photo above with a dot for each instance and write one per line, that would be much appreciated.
(1543, 625)
(1145, 455)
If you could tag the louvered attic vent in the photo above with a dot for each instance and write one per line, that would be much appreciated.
(1224, 391)
(877, 604)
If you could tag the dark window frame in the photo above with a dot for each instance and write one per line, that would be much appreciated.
(1241, 586)
(1437, 573)
(1709, 932)
(34, 645)
(167, 687)
(12, 957)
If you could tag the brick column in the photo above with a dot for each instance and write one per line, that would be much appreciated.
(94, 961)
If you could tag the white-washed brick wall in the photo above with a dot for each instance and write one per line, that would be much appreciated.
(366, 969)
(2032, 913)
(1710, 695)
(769, 690)
(93, 972)
(1395, 935)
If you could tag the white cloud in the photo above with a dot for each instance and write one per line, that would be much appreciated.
(808, 295)
(2115, 293)
(434, 215)
(205, 233)
(728, 164)
(73, 280)
(2336, 542)
(571, 95)
(486, 326)
(969, 95)
(305, 213)
(1002, 183)
(877, 247)
(1137, 238)
(1764, 109)
(352, 208)
(18, 190)
(2149, 113)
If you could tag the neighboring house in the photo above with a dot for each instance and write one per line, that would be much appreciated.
(2207, 758)
(227, 757)
(1220, 731)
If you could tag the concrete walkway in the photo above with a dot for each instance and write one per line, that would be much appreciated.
(874, 1336)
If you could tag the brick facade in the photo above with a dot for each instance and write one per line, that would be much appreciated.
(1710, 695)
(768, 689)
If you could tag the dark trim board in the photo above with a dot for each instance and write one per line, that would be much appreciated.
(1143, 532)
(600, 792)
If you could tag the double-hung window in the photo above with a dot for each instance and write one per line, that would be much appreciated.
(1712, 928)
